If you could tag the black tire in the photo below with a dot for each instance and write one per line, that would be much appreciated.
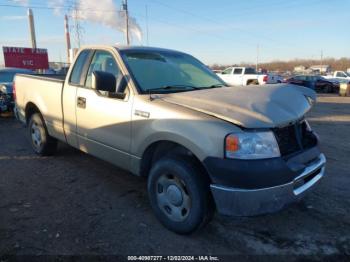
(42, 143)
(327, 89)
(252, 82)
(194, 187)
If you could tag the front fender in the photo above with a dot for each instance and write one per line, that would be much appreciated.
(203, 137)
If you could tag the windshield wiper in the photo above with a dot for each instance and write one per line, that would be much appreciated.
(168, 87)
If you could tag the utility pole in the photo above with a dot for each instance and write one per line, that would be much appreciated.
(77, 26)
(321, 62)
(147, 25)
(125, 7)
(257, 58)
(32, 28)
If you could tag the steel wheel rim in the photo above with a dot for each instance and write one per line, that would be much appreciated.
(173, 198)
(36, 135)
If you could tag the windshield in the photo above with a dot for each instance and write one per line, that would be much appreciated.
(153, 70)
(7, 77)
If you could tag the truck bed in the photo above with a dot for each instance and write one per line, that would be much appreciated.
(44, 91)
(46, 77)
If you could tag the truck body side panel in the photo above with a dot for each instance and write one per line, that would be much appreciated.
(69, 114)
(45, 94)
(104, 127)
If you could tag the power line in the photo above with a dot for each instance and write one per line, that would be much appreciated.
(89, 10)
(254, 35)
(68, 7)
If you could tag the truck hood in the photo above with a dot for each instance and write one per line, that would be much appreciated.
(265, 106)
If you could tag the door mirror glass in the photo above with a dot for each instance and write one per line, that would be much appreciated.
(103, 81)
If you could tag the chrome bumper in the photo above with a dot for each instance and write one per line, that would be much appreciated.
(250, 202)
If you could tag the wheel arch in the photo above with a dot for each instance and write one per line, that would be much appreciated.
(30, 109)
(161, 148)
(252, 81)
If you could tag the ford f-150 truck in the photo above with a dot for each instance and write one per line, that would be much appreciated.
(341, 75)
(243, 76)
(162, 114)
(338, 77)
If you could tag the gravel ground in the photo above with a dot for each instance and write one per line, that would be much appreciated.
(75, 204)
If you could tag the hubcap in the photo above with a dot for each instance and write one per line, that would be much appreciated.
(174, 195)
(173, 198)
(36, 135)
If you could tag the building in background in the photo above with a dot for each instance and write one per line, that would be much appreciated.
(321, 69)
(299, 69)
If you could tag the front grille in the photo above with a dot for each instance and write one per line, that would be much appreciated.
(294, 138)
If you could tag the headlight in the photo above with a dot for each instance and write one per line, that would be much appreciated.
(310, 100)
(251, 145)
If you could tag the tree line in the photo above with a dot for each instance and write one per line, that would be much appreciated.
(283, 66)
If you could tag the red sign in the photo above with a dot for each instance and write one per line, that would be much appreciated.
(29, 58)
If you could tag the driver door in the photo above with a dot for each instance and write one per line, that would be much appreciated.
(103, 123)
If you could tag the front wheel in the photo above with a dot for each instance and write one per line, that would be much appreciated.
(179, 194)
(42, 143)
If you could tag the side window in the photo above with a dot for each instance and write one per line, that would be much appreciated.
(227, 71)
(102, 61)
(75, 77)
(238, 71)
(340, 74)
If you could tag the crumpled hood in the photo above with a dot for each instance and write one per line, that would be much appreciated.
(264, 106)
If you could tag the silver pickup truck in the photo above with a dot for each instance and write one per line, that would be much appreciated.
(203, 145)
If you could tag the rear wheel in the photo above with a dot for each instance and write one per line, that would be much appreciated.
(327, 89)
(42, 143)
(179, 194)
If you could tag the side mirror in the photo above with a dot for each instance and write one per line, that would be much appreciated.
(103, 81)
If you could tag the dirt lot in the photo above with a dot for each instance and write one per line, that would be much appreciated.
(76, 204)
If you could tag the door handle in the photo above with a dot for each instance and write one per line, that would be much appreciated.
(81, 102)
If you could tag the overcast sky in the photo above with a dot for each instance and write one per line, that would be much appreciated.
(223, 31)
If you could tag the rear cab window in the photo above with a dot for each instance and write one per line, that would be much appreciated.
(238, 71)
(250, 71)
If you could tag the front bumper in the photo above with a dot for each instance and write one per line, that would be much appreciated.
(231, 200)
(6, 104)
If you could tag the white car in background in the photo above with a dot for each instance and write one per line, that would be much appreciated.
(242, 76)
(339, 75)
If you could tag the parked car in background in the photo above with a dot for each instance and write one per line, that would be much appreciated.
(164, 115)
(6, 87)
(242, 76)
(274, 78)
(315, 82)
(62, 70)
(339, 75)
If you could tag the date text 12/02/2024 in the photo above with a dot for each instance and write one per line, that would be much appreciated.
(173, 258)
